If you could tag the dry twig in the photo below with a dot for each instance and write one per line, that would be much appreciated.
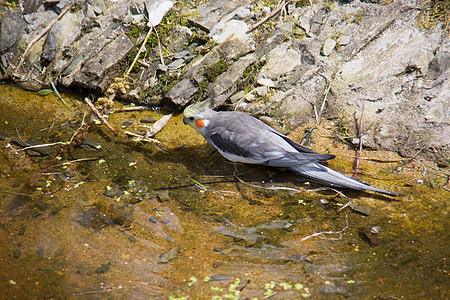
(95, 110)
(358, 157)
(339, 233)
(272, 13)
(139, 53)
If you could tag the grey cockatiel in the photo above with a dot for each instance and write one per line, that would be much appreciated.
(242, 138)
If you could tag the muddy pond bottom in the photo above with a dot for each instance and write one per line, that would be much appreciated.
(117, 218)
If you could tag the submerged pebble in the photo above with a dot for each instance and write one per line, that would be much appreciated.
(169, 255)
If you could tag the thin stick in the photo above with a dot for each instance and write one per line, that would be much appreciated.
(144, 139)
(272, 13)
(42, 145)
(159, 47)
(41, 35)
(324, 99)
(288, 188)
(132, 108)
(139, 52)
(358, 158)
(329, 232)
(95, 110)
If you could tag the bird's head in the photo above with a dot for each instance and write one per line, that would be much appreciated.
(197, 115)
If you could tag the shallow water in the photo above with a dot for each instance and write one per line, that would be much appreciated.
(128, 220)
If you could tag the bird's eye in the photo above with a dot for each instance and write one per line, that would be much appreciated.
(191, 118)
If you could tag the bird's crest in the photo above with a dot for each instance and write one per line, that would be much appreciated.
(196, 109)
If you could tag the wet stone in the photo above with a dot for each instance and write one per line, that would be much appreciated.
(113, 191)
(127, 124)
(90, 144)
(41, 251)
(219, 277)
(360, 209)
(22, 230)
(148, 120)
(169, 255)
(163, 196)
(370, 237)
(103, 268)
(17, 253)
(332, 289)
(153, 220)
(3, 136)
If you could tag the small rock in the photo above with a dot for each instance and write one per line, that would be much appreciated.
(268, 120)
(361, 209)
(375, 229)
(371, 237)
(181, 93)
(3, 136)
(181, 54)
(157, 10)
(332, 289)
(343, 40)
(17, 253)
(236, 97)
(148, 120)
(127, 124)
(266, 82)
(113, 191)
(231, 30)
(103, 268)
(163, 196)
(328, 46)
(261, 91)
(90, 144)
(176, 64)
(317, 21)
(163, 68)
(219, 277)
(169, 255)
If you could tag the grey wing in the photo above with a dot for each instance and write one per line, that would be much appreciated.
(262, 149)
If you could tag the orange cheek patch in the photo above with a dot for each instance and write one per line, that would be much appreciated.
(199, 124)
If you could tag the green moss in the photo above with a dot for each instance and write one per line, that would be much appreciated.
(211, 72)
(355, 18)
(435, 12)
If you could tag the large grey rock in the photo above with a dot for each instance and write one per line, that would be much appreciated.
(209, 14)
(228, 79)
(12, 28)
(280, 61)
(182, 92)
(62, 34)
(93, 70)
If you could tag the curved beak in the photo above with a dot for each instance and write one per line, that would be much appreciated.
(185, 121)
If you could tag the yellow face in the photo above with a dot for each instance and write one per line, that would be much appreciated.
(193, 115)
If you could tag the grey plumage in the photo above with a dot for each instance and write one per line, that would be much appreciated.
(242, 138)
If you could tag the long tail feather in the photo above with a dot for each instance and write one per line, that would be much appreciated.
(321, 174)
